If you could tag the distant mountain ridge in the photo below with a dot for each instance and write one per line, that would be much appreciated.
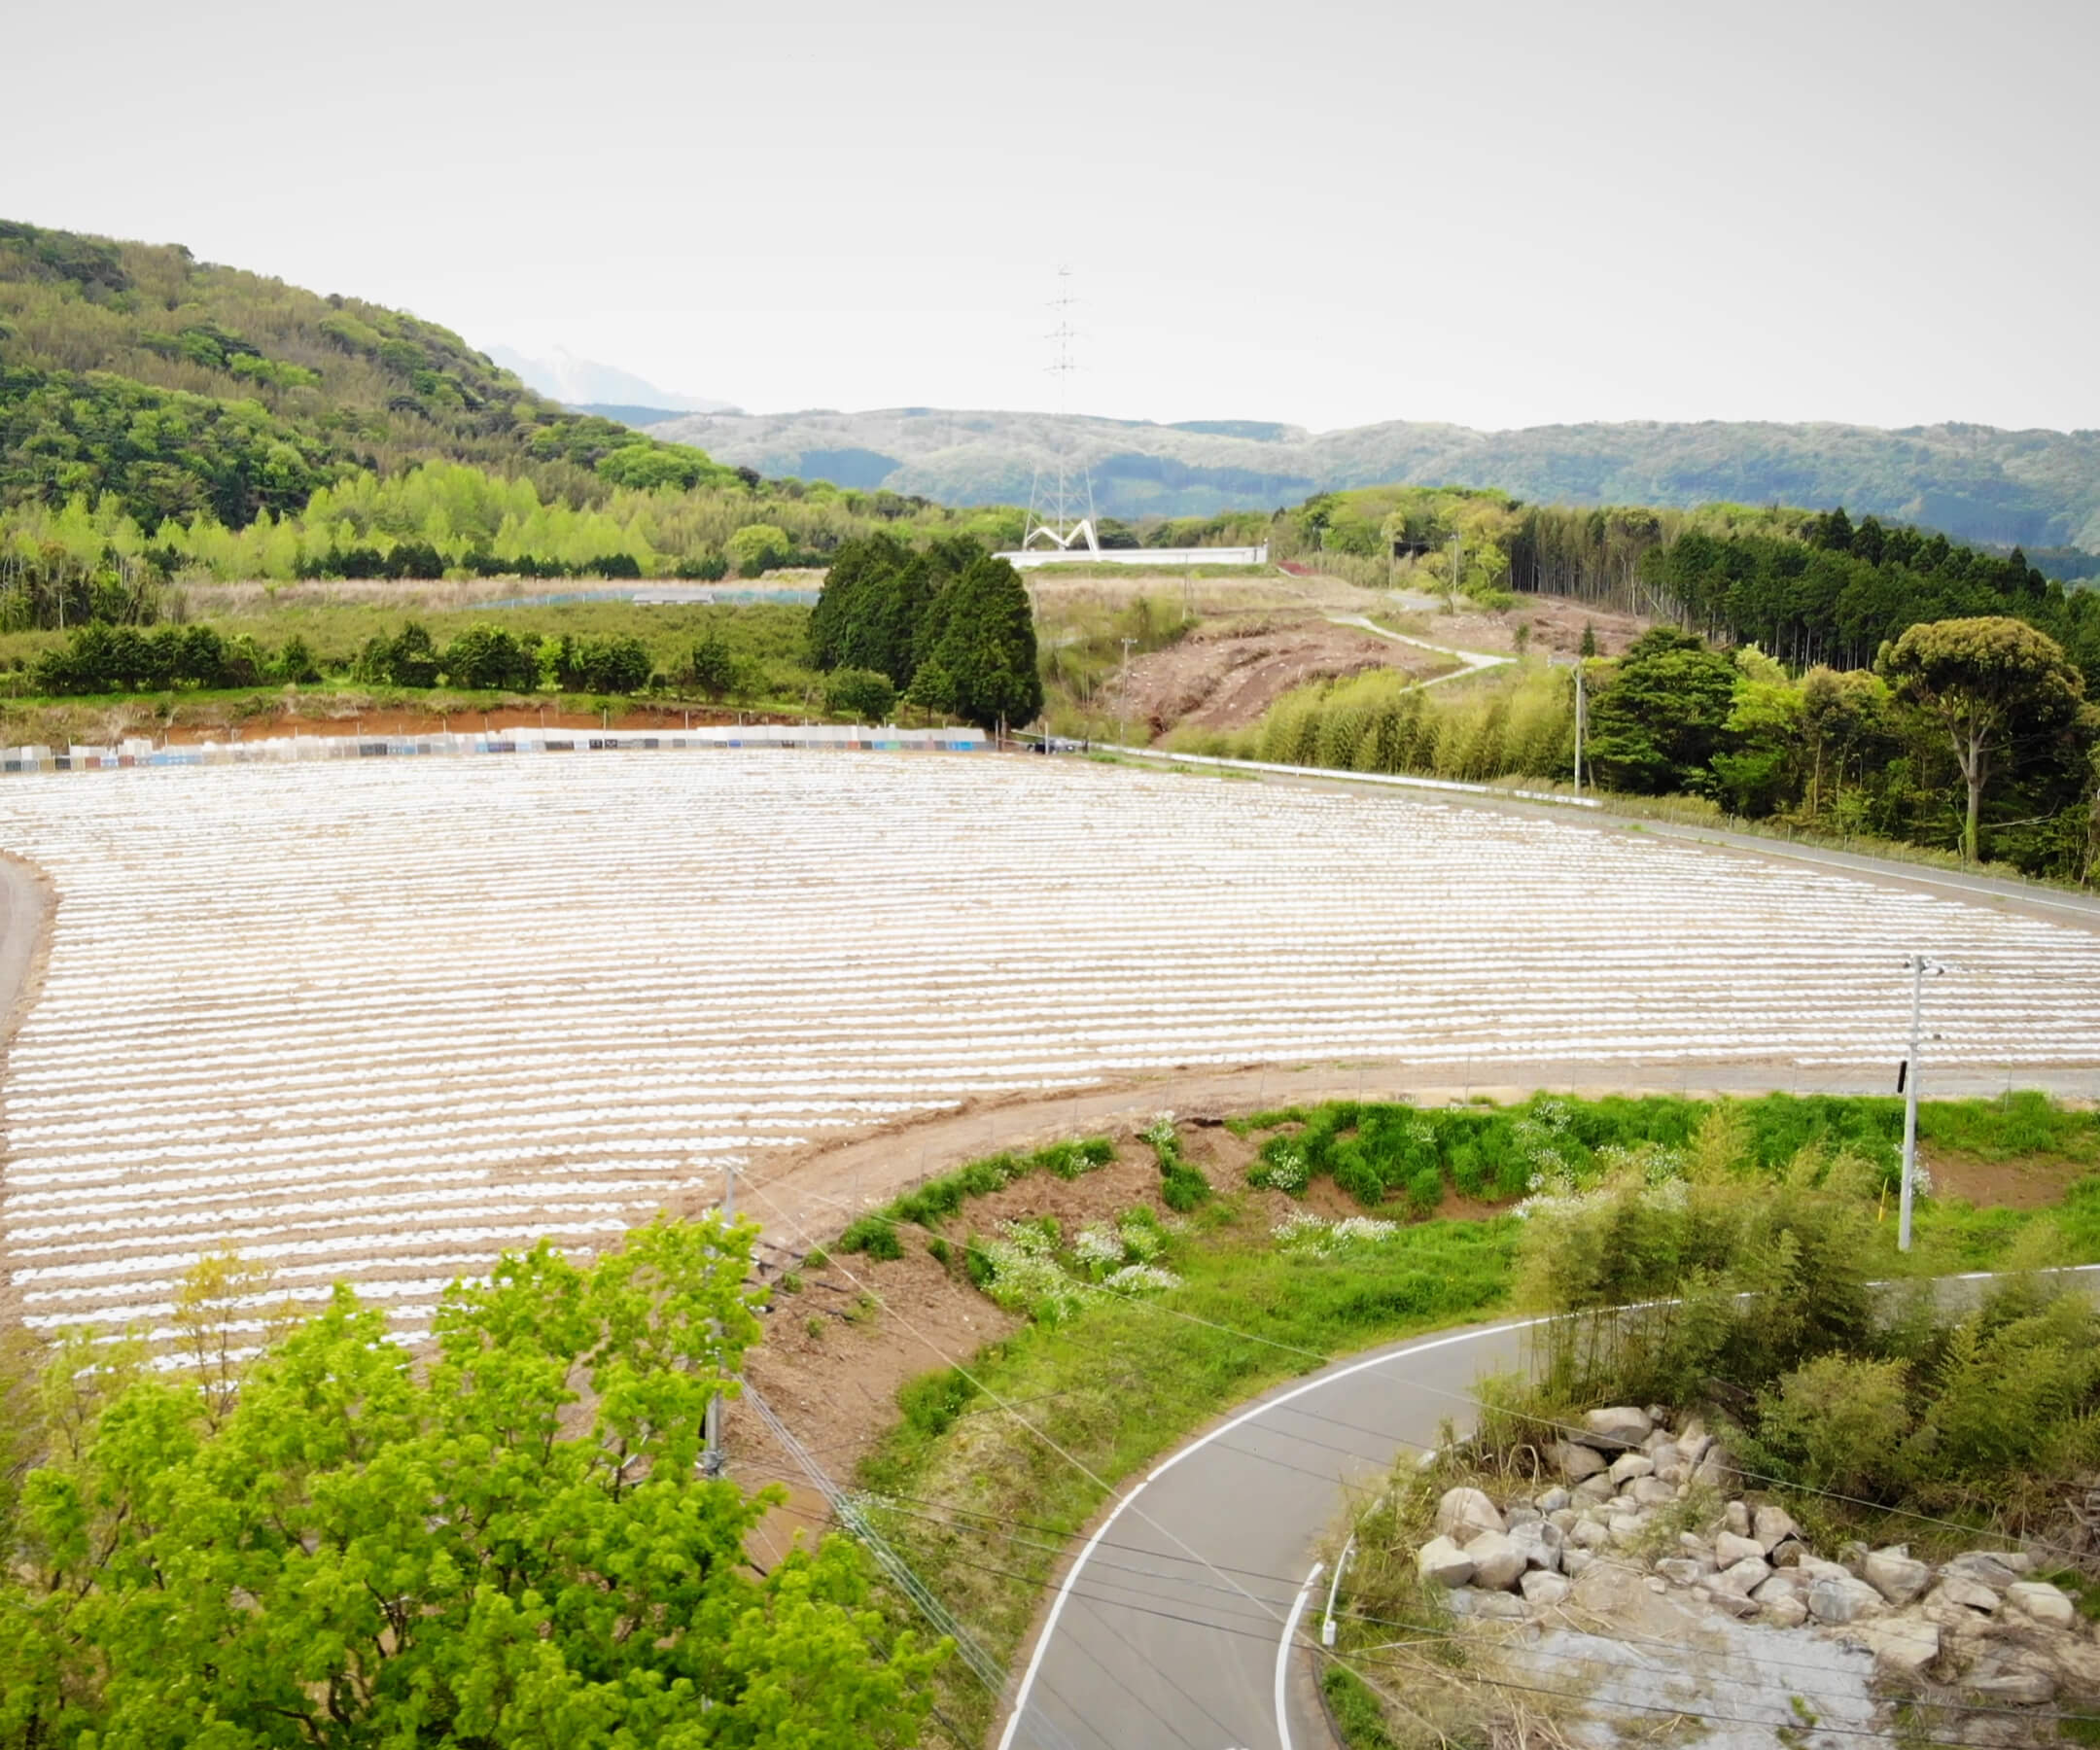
(587, 386)
(2040, 489)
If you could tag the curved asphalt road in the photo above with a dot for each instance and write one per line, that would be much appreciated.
(1174, 1629)
(1170, 1630)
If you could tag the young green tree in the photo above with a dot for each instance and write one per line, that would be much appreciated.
(1658, 722)
(757, 549)
(507, 1545)
(1987, 680)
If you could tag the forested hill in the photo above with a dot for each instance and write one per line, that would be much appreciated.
(182, 388)
(2035, 489)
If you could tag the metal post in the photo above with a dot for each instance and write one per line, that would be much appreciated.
(1581, 714)
(1327, 1626)
(1123, 698)
(1911, 1099)
(711, 1461)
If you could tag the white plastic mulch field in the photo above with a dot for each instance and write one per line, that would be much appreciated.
(382, 1021)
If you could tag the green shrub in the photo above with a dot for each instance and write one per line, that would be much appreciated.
(861, 694)
(873, 1235)
(931, 1402)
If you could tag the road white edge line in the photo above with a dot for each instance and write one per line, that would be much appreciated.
(1282, 1653)
(1326, 1376)
(1057, 1609)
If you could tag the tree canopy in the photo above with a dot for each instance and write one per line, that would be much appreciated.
(507, 1545)
(1985, 680)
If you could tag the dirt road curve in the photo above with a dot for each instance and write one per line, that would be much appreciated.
(808, 1196)
(24, 907)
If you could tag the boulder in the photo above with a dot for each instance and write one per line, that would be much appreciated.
(1497, 1562)
(1573, 1562)
(1682, 1570)
(1840, 1598)
(1773, 1525)
(1896, 1576)
(1744, 1577)
(1632, 1464)
(1616, 1428)
(1902, 1646)
(1713, 1471)
(1465, 1512)
(1852, 1558)
(2040, 1602)
(1672, 1471)
(1575, 1462)
(1563, 1520)
(1735, 1517)
(1521, 1514)
(1599, 1487)
(1587, 1534)
(1959, 1589)
(1442, 1561)
(1627, 1527)
(1989, 1567)
(2077, 1663)
(1651, 1491)
(1775, 1587)
(1552, 1502)
(1540, 1544)
(1543, 1590)
(1735, 1603)
(1729, 1549)
(1469, 1601)
(1693, 1440)
(2024, 1686)
(1788, 1612)
(1692, 1544)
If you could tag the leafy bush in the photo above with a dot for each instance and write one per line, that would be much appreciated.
(861, 694)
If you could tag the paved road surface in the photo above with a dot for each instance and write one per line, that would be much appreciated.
(1168, 1632)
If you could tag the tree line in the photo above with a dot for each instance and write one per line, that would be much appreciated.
(100, 658)
(1975, 736)
(949, 627)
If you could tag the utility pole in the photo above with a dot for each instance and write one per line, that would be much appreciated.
(1123, 698)
(711, 1461)
(1918, 966)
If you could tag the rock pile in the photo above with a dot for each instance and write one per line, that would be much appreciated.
(1979, 1627)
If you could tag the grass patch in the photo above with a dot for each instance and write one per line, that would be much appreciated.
(983, 1509)
(876, 1233)
(1382, 1153)
(1355, 1710)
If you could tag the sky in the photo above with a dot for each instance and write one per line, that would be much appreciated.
(1328, 214)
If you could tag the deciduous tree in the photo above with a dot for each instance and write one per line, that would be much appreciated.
(1987, 680)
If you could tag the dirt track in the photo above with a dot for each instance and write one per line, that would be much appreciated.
(804, 1198)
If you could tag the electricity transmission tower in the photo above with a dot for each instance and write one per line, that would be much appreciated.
(1061, 501)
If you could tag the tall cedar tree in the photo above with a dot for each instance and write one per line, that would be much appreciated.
(980, 661)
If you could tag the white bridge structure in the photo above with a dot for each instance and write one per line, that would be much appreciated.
(1026, 557)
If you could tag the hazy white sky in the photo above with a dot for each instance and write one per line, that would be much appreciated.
(1323, 213)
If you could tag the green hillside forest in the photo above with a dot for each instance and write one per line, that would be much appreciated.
(160, 414)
